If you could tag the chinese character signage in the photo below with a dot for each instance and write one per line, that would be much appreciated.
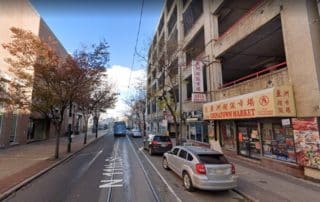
(199, 97)
(271, 102)
(197, 76)
(307, 141)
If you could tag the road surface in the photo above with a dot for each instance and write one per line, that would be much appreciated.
(113, 169)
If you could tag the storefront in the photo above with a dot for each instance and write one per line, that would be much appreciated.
(260, 126)
(197, 129)
(271, 138)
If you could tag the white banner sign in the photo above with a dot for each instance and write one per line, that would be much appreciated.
(197, 76)
(199, 97)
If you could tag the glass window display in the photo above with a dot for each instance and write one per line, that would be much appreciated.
(278, 142)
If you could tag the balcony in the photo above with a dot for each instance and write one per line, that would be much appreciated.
(278, 77)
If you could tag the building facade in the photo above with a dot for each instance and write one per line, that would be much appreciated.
(18, 126)
(260, 63)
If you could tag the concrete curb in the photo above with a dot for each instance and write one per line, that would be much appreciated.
(246, 196)
(7, 193)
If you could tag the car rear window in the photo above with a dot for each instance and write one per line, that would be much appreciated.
(161, 138)
(212, 159)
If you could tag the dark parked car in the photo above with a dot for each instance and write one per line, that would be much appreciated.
(157, 144)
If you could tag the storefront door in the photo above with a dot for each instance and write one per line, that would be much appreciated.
(249, 139)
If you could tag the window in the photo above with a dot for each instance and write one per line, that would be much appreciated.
(161, 82)
(154, 106)
(13, 128)
(162, 138)
(191, 15)
(161, 25)
(195, 47)
(148, 108)
(189, 158)
(172, 20)
(183, 154)
(189, 87)
(278, 141)
(161, 44)
(184, 2)
(198, 131)
(213, 159)
(169, 4)
(172, 44)
(231, 11)
(228, 137)
(175, 151)
(154, 72)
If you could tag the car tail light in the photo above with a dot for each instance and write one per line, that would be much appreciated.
(200, 168)
(155, 142)
(233, 169)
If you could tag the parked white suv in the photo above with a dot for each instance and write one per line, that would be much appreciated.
(201, 168)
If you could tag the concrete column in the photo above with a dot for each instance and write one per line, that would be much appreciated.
(300, 24)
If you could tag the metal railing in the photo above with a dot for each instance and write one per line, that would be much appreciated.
(256, 74)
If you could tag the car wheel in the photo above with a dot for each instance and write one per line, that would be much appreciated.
(187, 183)
(165, 164)
(150, 151)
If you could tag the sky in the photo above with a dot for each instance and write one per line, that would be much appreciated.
(82, 22)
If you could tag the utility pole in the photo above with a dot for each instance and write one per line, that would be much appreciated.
(180, 103)
(69, 127)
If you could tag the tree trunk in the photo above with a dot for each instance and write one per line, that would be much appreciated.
(85, 130)
(178, 142)
(47, 129)
(139, 120)
(144, 125)
(58, 129)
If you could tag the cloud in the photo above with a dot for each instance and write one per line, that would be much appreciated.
(120, 76)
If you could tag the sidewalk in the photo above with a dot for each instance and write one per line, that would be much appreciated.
(21, 162)
(262, 185)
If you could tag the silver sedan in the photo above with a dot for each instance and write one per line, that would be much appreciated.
(201, 168)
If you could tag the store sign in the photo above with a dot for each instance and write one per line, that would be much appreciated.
(285, 122)
(197, 76)
(199, 97)
(271, 102)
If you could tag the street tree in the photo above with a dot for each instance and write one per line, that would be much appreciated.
(137, 102)
(97, 95)
(44, 80)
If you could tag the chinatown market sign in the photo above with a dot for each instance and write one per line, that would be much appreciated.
(271, 102)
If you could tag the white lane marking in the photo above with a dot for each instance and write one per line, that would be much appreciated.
(111, 174)
(112, 170)
(111, 183)
(95, 157)
(144, 171)
(113, 167)
(157, 171)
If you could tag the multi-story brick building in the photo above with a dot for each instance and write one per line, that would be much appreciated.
(261, 68)
(16, 126)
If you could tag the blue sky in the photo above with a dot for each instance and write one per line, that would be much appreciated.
(84, 22)
(77, 22)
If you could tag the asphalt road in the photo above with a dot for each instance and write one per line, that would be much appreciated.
(113, 169)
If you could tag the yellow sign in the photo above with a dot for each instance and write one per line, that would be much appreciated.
(271, 102)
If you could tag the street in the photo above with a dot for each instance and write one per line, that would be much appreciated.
(114, 169)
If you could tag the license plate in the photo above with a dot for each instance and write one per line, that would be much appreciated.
(163, 145)
(217, 172)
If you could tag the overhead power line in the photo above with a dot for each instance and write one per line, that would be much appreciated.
(136, 44)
